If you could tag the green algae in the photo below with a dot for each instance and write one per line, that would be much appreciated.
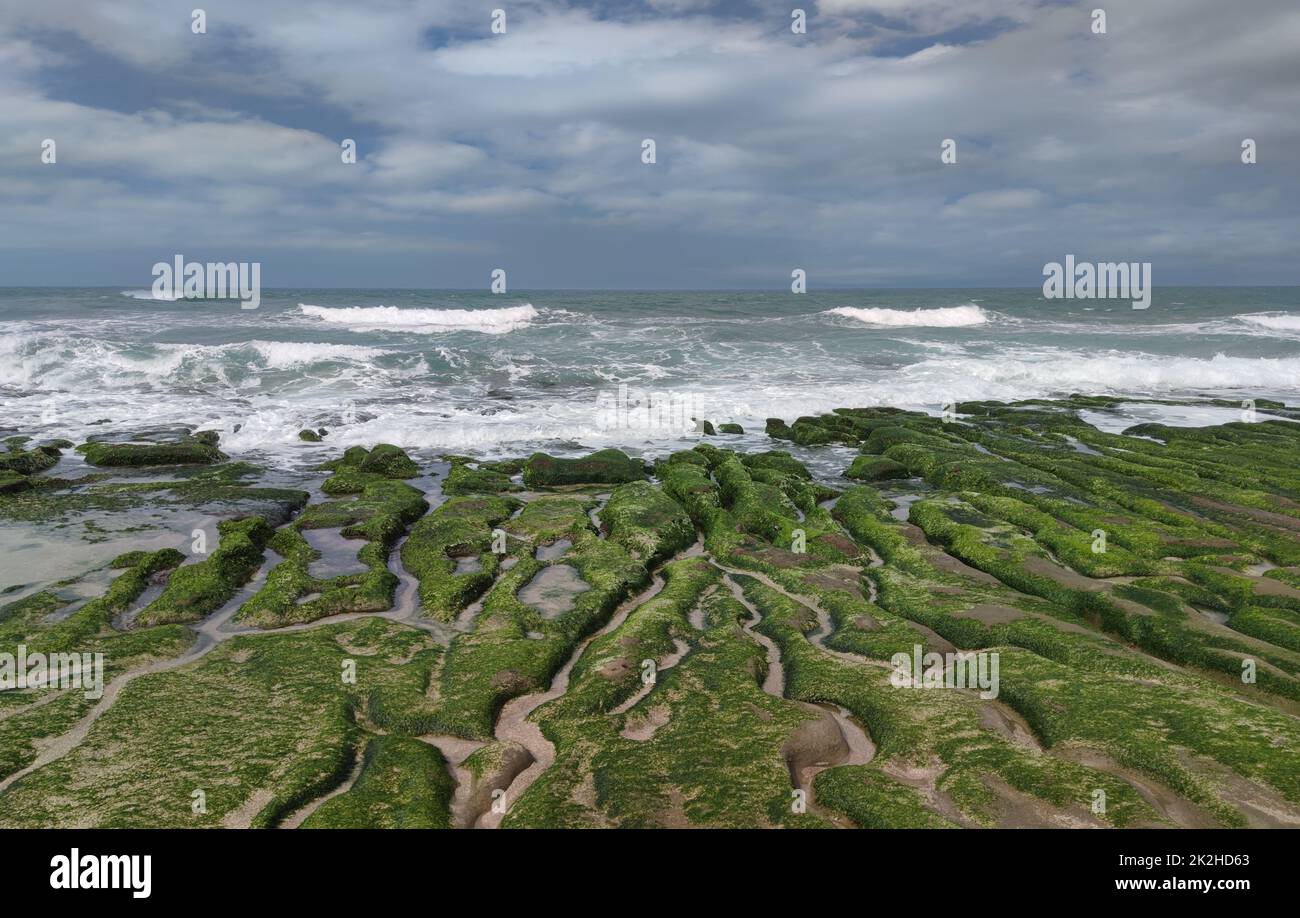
(1105, 653)
(189, 451)
(378, 516)
(513, 648)
(606, 466)
(647, 522)
(462, 479)
(403, 784)
(875, 468)
(260, 726)
(29, 462)
(195, 590)
(703, 748)
(461, 527)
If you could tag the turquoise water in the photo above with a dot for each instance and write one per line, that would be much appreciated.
(499, 375)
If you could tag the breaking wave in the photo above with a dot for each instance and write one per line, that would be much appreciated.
(1276, 322)
(430, 321)
(944, 317)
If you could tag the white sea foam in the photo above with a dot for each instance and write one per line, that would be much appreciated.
(148, 295)
(431, 321)
(1052, 371)
(1274, 322)
(65, 360)
(281, 354)
(944, 317)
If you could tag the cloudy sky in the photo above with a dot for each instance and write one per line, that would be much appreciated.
(775, 150)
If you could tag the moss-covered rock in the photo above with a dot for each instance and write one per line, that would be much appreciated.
(404, 784)
(875, 468)
(29, 462)
(348, 479)
(462, 479)
(390, 461)
(379, 515)
(195, 590)
(647, 522)
(607, 466)
(359, 467)
(461, 527)
(309, 436)
(777, 460)
(731, 429)
(189, 451)
(12, 482)
(504, 466)
(810, 431)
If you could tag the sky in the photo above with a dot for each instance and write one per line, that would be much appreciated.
(774, 150)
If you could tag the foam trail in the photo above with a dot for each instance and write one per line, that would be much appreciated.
(1280, 322)
(149, 295)
(433, 321)
(945, 317)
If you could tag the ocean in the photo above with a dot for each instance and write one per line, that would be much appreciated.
(502, 375)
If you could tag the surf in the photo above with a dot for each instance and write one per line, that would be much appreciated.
(942, 317)
(365, 318)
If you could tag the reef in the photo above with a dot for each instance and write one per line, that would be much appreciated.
(709, 637)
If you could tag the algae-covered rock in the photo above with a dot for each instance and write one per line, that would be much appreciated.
(29, 462)
(707, 428)
(779, 461)
(731, 429)
(348, 480)
(148, 562)
(461, 527)
(188, 451)
(804, 431)
(647, 522)
(882, 438)
(687, 456)
(309, 436)
(195, 590)
(875, 468)
(12, 482)
(354, 456)
(504, 466)
(464, 480)
(390, 461)
(692, 456)
(404, 784)
(359, 466)
(607, 466)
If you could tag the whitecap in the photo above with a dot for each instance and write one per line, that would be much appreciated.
(943, 317)
(1273, 322)
(431, 321)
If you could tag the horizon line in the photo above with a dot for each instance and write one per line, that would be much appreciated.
(781, 289)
